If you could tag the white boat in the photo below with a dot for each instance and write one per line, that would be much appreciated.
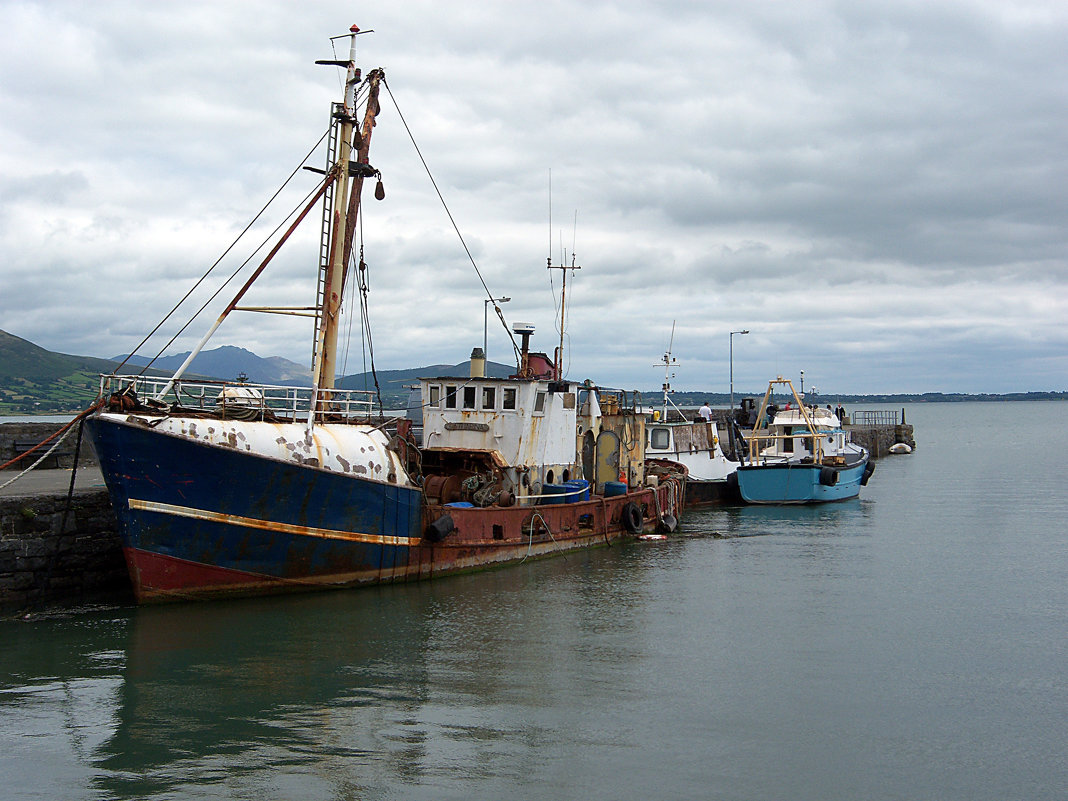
(802, 456)
(695, 443)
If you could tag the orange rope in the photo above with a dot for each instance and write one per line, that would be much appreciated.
(42, 443)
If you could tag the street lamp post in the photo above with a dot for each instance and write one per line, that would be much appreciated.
(485, 320)
(732, 365)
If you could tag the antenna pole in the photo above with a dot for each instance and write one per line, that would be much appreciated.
(559, 361)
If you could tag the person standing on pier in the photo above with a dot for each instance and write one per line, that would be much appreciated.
(706, 412)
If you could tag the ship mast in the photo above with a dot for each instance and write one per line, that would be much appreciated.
(563, 268)
(350, 175)
(669, 362)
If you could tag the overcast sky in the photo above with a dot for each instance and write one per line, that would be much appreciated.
(875, 190)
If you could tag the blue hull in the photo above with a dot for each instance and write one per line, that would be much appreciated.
(799, 483)
(195, 518)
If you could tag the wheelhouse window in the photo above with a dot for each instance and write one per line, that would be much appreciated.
(659, 439)
(539, 403)
(450, 397)
(435, 396)
(508, 401)
(470, 394)
(489, 397)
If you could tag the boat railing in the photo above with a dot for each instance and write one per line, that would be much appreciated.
(878, 417)
(760, 440)
(244, 400)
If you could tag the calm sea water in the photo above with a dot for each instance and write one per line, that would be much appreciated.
(909, 645)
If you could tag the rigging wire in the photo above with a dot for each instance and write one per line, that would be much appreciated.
(456, 228)
(363, 340)
(211, 269)
(365, 316)
(235, 273)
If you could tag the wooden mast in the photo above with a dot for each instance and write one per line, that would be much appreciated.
(344, 213)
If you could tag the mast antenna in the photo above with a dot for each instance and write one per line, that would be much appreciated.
(669, 362)
(550, 214)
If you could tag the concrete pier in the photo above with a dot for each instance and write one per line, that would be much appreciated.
(879, 430)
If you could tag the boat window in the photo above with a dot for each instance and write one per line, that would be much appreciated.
(569, 400)
(659, 438)
(509, 398)
(450, 397)
(489, 397)
(470, 393)
(435, 395)
(539, 403)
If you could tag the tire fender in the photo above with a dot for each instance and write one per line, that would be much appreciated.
(631, 517)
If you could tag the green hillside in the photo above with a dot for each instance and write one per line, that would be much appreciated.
(37, 381)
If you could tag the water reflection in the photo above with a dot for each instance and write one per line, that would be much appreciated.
(812, 520)
(345, 695)
(211, 691)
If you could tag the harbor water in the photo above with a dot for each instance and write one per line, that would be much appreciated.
(912, 644)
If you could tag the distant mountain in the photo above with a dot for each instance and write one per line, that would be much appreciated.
(394, 384)
(228, 362)
(35, 380)
(393, 378)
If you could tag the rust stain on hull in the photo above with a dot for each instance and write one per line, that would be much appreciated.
(267, 525)
(482, 538)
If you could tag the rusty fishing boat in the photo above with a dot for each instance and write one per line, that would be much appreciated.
(238, 488)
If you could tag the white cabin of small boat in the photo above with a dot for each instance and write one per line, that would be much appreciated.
(791, 436)
(681, 438)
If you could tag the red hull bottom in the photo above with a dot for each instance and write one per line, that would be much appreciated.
(459, 540)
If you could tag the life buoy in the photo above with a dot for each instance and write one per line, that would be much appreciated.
(631, 517)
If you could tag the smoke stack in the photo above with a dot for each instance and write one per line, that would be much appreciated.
(524, 330)
(478, 363)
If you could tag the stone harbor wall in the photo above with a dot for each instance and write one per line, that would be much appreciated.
(15, 438)
(44, 561)
(878, 439)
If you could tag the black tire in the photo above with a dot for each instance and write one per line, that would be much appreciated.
(631, 517)
(828, 476)
(439, 529)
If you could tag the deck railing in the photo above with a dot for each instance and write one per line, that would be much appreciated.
(878, 417)
(243, 400)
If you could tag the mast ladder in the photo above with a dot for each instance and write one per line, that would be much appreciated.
(325, 232)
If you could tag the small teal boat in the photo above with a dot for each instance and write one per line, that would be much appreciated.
(801, 456)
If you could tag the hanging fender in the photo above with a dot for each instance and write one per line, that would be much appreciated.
(439, 529)
(869, 468)
(631, 517)
(667, 524)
